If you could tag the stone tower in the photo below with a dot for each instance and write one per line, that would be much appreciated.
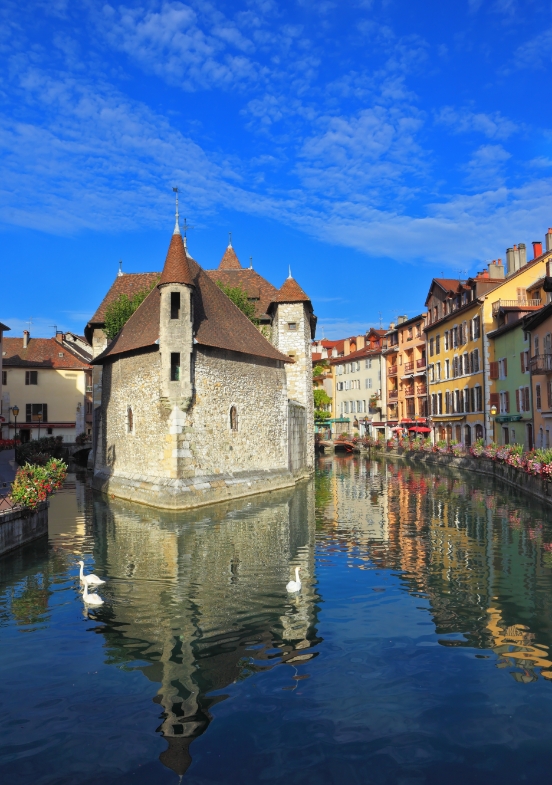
(176, 326)
(293, 329)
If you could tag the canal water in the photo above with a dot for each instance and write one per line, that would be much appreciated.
(418, 651)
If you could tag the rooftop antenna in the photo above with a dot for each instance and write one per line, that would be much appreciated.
(30, 322)
(250, 262)
(460, 274)
(55, 328)
(176, 226)
(120, 268)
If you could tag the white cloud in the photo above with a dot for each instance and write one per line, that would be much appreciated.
(486, 167)
(492, 125)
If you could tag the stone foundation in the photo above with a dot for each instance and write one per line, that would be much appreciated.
(187, 493)
(19, 527)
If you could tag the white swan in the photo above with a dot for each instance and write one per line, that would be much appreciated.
(296, 584)
(89, 580)
(91, 599)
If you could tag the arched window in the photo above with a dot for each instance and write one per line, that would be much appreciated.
(130, 420)
(233, 419)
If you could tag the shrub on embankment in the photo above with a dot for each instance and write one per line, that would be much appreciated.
(39, 451)
(33, 484)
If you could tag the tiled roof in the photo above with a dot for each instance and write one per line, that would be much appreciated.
(229, 260)
(40, 353)
(366, 352)
(3, 327)
(448, 284)
(258, 288)
(291, 292)
(217, 323)
(176, 268)
(129, 284)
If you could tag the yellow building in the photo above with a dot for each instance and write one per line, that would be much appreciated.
(47, 387)
(462, 367)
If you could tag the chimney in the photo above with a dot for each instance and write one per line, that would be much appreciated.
(401, 319)
(522, 255)
(346, 346)
(509, 261)
(26, 336)
(361, 341)
(496, 270)
(548, 240)
(537, 248)
(391, 325)
(59, 336)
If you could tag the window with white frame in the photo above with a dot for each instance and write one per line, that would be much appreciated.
(438, 371)
(502, 368)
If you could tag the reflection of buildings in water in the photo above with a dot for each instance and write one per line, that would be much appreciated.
(516, 647)
(67, 512)
(450, 540)
(201, 596)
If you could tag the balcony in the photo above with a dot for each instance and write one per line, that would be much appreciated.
(89, 388)
(393, 395)
(409, 391)
(421, 363)
(541, 363)
(522, 303)
(409, 367)
(392, 370)
(421, 389)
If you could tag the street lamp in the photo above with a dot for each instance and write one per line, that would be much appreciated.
(15, 410)
(494, 412)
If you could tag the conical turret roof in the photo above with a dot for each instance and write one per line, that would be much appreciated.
(291, 292)
(230, 261)
(177, 267)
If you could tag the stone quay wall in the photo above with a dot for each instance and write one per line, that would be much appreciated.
(536, 487)
(20, 526)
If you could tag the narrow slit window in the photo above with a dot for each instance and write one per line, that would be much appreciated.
(175, 305)
(130, 420)
(175, 366)
(233, 419)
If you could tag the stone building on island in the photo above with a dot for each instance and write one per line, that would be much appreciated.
(196, 404)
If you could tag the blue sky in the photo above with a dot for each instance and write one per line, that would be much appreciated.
(371, 144)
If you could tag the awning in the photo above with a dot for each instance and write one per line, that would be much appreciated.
(442, 419)
(420, 429)
(339, 419)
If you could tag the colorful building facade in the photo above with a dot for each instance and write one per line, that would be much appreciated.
(405, 354)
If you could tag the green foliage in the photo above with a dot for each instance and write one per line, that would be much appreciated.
(120, 310)
(39, 451)
(33, 484)
(321, 398)
(320, 368)
(240, 298)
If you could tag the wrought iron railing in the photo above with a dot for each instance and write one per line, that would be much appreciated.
(421, 362)
(392, 370)
(541, 363)
(408, 367)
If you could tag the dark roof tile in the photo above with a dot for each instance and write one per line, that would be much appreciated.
(40, 353)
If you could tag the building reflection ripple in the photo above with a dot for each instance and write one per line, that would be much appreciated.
(200, 601)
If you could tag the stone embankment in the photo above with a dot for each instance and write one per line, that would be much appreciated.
(21, 525)
(537, 487)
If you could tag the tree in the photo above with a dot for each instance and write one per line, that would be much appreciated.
(240, 298)
(321, 401)
(120, 310)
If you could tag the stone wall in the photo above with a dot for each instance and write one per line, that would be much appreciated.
(534, 486)
(297, 345)
(177, 459)
(18, 527)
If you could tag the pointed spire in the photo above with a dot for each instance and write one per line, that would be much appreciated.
(230, 261)
(176, 224)
(289, 274)
(291, 292)
(177, 268)
(120, 269)
(250, 262)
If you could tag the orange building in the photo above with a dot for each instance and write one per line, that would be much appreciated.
(405, 366)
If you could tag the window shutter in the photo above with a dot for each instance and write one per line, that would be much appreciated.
(507, 401)
(549, 390)
(28, 411)
(526, 401)
(538, 396)
(522, 361)
(517, 401)
(44, 412)
(505, 362)
(27, 378)
(494, 399)
(494, 370)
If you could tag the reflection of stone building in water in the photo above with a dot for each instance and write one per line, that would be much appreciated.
(454, 543)
(203, 598)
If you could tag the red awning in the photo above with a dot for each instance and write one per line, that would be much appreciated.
(420, 429)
